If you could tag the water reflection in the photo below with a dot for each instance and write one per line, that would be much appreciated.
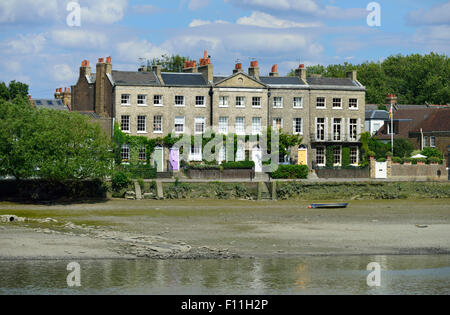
(306, 275)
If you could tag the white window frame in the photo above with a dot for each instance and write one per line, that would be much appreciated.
(195, 154)
(142, 98)
(177, 98)
(160, 99)
(295, 103)
(318, 130)
(155, 123)
(324, 156)
(142, 155)
(278, 102)
(339, 156)
(200, 101)
(145, 124)
(256, 125)
(324, 102)
(274, 123)
(126, 98)
(349, 104)
(240, 152)
(125, 153)
(177, 121)
(224, 101)
(240, 101)
(337, 129)
(240, 128)
(200, 121)
(223, 125)
(350, 131)
(127, 117)
(256, 100)
(432, 142)
(335, 102)
(354, 149)
(294, 123)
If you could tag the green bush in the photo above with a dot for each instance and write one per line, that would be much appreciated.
(371, 153)
(291, 172)
(407, 160)
(381, 160)
(238, 165)
(432, 152)
(421, 160)
(202, 167)
(136, 171)
(434, 159)
(397, 160)
(345, 156)
(389, 154)
(119, 181)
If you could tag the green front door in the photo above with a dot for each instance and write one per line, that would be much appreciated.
(159, 159)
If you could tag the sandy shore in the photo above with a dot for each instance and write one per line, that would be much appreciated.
(193, 229)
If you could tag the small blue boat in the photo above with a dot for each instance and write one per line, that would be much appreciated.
(328, 206)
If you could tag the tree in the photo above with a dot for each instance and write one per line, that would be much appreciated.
(4, 91)
(403, 148)
(51, 145)
(17, 89)
(415, 78)
(174, 63)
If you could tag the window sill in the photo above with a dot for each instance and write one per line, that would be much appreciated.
(158, 105)
(142, 105)
(353, 109)
(200, 106)
(142, 132)
(297, 107)
(338, 108)
(321, 108)
(158, 132)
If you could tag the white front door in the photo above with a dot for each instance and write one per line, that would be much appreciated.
(381, 170)
(257, 158)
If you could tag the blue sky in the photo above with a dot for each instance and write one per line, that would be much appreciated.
(39, 48)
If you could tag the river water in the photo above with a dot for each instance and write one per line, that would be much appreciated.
(291, 276)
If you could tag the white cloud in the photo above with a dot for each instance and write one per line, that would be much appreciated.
(197, 23)
(439, 14)
(24, 44)
(304, 7)
(13, 11)
(74, 38)
(103, 11)
(266, 20)
(198, 4)
(63, 73)
(133, 50)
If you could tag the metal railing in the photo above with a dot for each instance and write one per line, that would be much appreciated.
(335, 137)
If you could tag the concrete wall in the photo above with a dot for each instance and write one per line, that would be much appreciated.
(419, 172)
(343, 173)
(217, 174)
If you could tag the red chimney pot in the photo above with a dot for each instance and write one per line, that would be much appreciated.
(254, 64)
(108, 60)
(238, 66)
(274, 68)
(100, 60)
(302, 66)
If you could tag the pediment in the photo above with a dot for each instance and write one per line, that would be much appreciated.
(240, 80)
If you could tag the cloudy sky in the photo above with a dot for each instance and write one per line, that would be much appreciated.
(38, 47)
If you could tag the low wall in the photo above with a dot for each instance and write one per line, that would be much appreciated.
(419, 172)
(343, 173)
(217, 174)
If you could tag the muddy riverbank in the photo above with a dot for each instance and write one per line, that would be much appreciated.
(197, 229)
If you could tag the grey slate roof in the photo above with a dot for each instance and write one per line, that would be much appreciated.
(50, 104)
(281, 80)
(219, 78)
(331, 81)
(377, 115)
(183, 79)
(134, 78)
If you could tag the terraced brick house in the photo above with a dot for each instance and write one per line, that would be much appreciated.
(325, 111)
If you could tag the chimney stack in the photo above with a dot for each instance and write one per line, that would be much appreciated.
(253, 71)
(85, 69)
(391, 99)
(353, 75)
(108, 65)
(301, 73)
(237, 68)
(100, 88)
(274, 72)
(190, 66)
(206, 68)
(157, 71)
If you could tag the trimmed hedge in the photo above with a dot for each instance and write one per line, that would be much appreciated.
(291, 172)
(238, 165)
(135, 171)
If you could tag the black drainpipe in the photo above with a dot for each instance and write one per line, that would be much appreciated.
(211, 105)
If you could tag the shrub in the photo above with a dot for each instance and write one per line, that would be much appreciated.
(345, 156)
(291, 172)
(421, 160)
(397, 160)
(119, 181)
(434, 159)
(371, 153)
(407, 160)
(136, 171)
(238, 165)
(389, 154)
(432, 152)
(381, 160)
(202, 167)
